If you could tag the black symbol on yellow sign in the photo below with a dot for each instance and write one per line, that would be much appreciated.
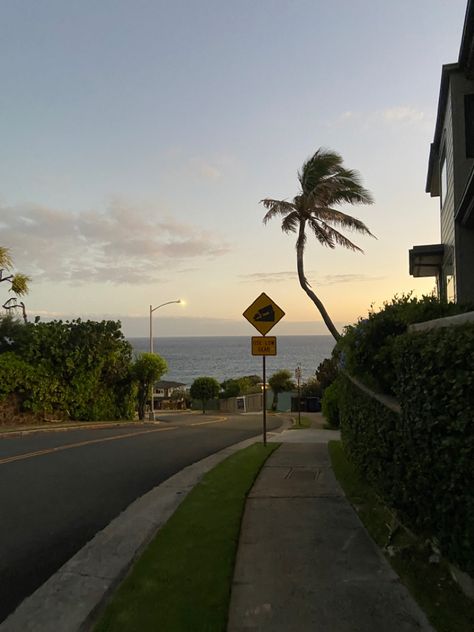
(265, 315)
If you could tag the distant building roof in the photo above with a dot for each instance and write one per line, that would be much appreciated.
(168, 384)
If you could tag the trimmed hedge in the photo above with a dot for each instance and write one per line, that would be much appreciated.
(366, 349)
(422, 460)
(435, 387)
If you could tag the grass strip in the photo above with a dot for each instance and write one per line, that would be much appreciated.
(182, 581)
(431, 584)
(304, 423)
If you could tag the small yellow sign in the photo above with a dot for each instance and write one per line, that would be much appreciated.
(264, 345)
(263, 313)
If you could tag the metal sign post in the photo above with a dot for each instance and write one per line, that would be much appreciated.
(264, 358)
(298, 377)
(263, 314)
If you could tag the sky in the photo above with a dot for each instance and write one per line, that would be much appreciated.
(138, 137)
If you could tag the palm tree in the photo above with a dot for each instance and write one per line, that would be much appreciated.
(325, 183)
(18, 282)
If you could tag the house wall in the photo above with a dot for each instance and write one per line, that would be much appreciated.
(458, 261)
(447, 208)
(463, 166)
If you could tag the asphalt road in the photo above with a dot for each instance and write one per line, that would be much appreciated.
(57, 489)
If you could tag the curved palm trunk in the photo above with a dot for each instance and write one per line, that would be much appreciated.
(304, 284)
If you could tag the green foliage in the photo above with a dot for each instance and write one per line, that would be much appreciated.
(280, 382)
(230, 388)
(326, 372)
(19, 284)
(11, 332)
(241, 386)
(146, 370)
(18, 281)
(311, 388)
(436, 389)
(421, 460)
(330, 404)
(80, 368)
(366, 349)
(204, 389)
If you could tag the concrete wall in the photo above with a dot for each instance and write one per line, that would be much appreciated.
(252, 403)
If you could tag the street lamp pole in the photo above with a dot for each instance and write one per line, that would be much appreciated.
(153, 309)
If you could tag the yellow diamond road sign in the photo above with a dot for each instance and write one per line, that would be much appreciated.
(263, 313)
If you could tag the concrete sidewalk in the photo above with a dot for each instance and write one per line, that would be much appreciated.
(305, 562)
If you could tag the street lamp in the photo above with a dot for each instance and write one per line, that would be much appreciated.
(153, 309)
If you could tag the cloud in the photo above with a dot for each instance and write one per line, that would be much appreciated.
(122, 244)
(334, 279)
(403, 114)
(395, 115)
(204, 170)
(269, 277)
(328, 279)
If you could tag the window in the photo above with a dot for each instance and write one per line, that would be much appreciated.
(469, 124)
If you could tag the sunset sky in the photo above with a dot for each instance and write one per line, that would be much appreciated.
(138, 136)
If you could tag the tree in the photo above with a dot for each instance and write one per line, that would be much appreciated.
(204, 389)
(325, 183)
(326, 372)
(18, 282)
(311, 388)
(147, 369)
(280, 382)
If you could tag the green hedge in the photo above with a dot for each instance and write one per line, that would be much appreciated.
(422, 460)
(366, 349)
(79, 368)
(330, 404)
(435, 387)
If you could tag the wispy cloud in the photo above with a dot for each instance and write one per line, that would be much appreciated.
(403, 114)
(315, 278)
(122, 244)
(334, 279)
(394, 115)
(204, 170)
(269, 277)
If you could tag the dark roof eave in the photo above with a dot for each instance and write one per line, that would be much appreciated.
(466, 51)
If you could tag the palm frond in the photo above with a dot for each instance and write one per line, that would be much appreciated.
(290, 223)
(6, 262)
(338, 218)
(276, 207)
(322, 164)
(19, 283)
(332, 236)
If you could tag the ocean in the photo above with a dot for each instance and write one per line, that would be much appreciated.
(225, 357)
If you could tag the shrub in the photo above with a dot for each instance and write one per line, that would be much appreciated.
(330, 404)
(80, 368)
(366, 349)
(421, 459)
(204, 389)
(326, 372)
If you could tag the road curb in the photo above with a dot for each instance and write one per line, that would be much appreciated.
(72, 598)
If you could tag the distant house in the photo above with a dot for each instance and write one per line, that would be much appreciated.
(163, 395)
(451, 178)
